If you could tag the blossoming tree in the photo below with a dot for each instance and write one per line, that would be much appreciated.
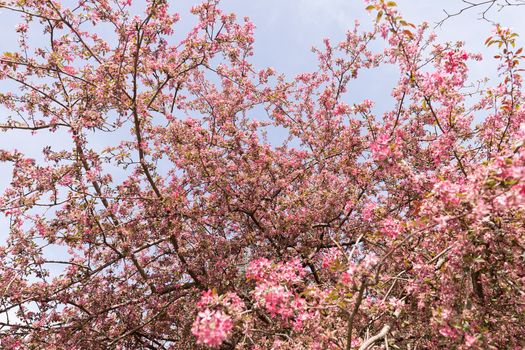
(191, 228)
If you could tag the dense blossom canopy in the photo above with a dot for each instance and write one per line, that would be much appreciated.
(192, 228)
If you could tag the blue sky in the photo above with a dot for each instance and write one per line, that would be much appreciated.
(286, 30)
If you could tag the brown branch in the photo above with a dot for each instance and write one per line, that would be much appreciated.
(354, 313)
(486, 5)
(380, 335)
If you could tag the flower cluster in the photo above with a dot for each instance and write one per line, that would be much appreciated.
(215, 323)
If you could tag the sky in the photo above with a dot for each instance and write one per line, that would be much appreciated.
(287, 30)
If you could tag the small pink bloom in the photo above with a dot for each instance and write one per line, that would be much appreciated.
(69, 70)
(22, 28)
(212, 327)
(470, 340)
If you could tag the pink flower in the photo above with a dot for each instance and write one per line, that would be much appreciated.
(212, 327)
(69, 70)
(259, 269)
(380, 147)
(264, 270)
(368, 211)
(208, 298)
(470, 340)
(330, 257)
(448, 332)
(275, 298)
(21, 28)
(391, 227)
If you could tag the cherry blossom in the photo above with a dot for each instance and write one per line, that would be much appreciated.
(168, 218)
